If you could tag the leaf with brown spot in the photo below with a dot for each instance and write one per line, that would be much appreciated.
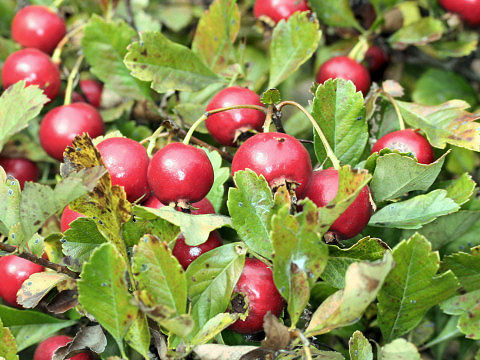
(213, 327)
(467, 306)
(88, 338)
(221, 352)
(8, 345)
(359, 347)
(37, 286)
(277, 336)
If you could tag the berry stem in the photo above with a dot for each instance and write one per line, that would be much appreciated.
(401, 122)
(359, 50)
(71, 79)
(326, 145)
(58, 50)
(268, 119)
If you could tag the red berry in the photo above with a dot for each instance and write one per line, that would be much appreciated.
(35, 67)
(61, 124)
(407, 141)
(345, 68)
(468, 9)
(14, 271)
(38, 27)
(185, 254)
(46, 348)
(278, 9)
(68, 216)
(21, 169)
(323, 188)
(180, 172)
(278, 157)
(376, 58)
(127, 163)
(224, 126)
(261, 296)
(92, 90)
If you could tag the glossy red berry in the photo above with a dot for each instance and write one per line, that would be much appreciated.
(35, 67)
(345, 68)
(278, 9)
(21, 169)
(38, 27)
(278, 157)
(127, 163)
(376, 58)
(185, 254)
(92, 90)
(180, 173)
(61, 124)
(261, 296)
(226, 126)
(407, 141)
(14, 271)
(323, 188)
(467, 9)
(68, 216)
(46, 348)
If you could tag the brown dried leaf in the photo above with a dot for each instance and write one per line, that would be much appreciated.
(37, 286)
(277, 335)
(90, 338)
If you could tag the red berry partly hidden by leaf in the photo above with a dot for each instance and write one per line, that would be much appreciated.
(38, 27)
(255, 291)
(203, 206)
(280, 158)
(407, 141)
(185, 254)
(127, 163)
(21, 169)
(323, 188)
(180, 173)
(278, 9)
(227, 125)
(345, 68)
(92, 90)
(61, 124)
(468, 9)
(46, 348)
(68, 216)
(35, 67)
(14, 271)
(376, 58)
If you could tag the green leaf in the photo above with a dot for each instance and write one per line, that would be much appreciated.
(461, 189)
(359, 347)
(396, 175)
(271, 97)
(363, 280)
(339, 259)
(466, 268)
(211, 279)
(339, 111)
(103, 291)
(37, 286)
(468, 308)
(30, 327)
(465, 44)
(250, 205)
(382, 5)
(10, 197)
(335, 13)
(216, 33)
(213, 327)
(8, 346)
(189, 113)
(138, 335)
(19, 104)
(431, 90)
(169, 66)
(7, 47)
(412, 287)
(300, 256)
(222, 174)
(105, 45)
(293, 43)
(415, 212)
(399, 349)
(420, 32)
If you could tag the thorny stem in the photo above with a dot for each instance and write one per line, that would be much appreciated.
(326, 145)
(58, 50)
(71, 79)
(401, 122)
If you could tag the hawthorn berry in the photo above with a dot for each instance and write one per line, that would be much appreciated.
(127, 163)
(278, 9)
(467, 9)
(345, 68)
(46, 348)
(323, 188)
(180, 173)
(280, 158)
(14, 270)
(38, 27)
(92, 90)
(255, 291)
(227, 125)
(68, 216)
(35, 67)
(61, 124)
(407, 141)
(376, 58)
(21, 169)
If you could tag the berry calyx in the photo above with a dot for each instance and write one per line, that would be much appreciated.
(376, 58)
(226, 126)
(256, 292)
(61, 124)
(46, 349)
(21, 169)
(323, 188)
(127, 162)
(14, 271)
(280, 158)
(469, 10)
(277, 10)
(35, 67)
(38, 27)
(68, 216)
(180, 173)
(345, 68)
(407, 141)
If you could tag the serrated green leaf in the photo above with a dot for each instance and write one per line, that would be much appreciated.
(138, 335)
(468, 308)
(412, 287)
(359, 348)
(466, 268)
(399, 349)
(293, 43)
(420, 32)
(221, 175)
(8, 346)
(460, 189)
(270, 97)
(337, 13)
(213, 327)
(463, 45)
(10, 198)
